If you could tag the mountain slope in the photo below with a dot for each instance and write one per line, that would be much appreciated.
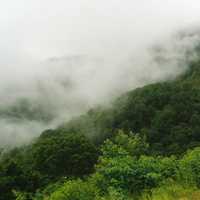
(166, 118)
(166, 113)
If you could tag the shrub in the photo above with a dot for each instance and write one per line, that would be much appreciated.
(190, 167)
(75, 190)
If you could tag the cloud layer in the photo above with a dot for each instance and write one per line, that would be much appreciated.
(59, 58)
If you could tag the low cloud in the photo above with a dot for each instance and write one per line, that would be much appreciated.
(60, 59)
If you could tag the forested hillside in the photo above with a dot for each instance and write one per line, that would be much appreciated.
(166, 114)
(145, 146)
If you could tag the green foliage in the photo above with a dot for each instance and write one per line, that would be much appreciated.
(132, 143)
(119, 169)
(172, 191)
(190, 167)
(114, 194)
(76, 190)
(96, 124)
(64, 155)
(120, 175)
(22, 195)
(115, 172)
(49, 158)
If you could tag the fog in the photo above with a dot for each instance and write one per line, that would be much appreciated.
(60, 58)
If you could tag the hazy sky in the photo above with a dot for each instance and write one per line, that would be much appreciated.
(111, 39)
(35, 29)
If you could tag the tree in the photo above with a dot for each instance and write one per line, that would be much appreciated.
(120, 169)
(64, 155)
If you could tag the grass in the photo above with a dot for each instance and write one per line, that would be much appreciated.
(173, 192)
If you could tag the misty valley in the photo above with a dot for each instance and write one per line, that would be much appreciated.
(100, 100)
(146, 145)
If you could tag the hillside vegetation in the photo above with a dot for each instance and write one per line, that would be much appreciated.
(145, 146)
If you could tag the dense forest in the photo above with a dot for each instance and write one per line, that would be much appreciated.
(145, 146)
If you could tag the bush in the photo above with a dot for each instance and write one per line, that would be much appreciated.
(190, 167)
(75, 190)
